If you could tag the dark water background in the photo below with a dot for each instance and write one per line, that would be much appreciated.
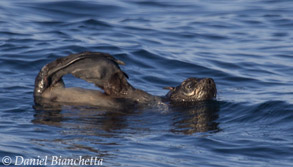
(245, 45)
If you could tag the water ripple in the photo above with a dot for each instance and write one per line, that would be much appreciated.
(245, 46)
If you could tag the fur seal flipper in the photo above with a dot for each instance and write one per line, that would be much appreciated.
(91, 66)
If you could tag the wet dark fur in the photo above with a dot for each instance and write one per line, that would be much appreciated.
(103, 70)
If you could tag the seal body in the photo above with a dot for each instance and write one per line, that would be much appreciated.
(103, 70)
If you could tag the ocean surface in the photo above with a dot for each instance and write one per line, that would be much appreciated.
(246, 46)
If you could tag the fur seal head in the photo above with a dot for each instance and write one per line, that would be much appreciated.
(193, 89)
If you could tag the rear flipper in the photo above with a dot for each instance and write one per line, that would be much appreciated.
(94, 67)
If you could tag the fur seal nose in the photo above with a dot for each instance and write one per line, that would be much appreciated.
(209, 81)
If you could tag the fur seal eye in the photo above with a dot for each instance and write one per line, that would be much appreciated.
(189, 93)
(190, 85)
(189, 90)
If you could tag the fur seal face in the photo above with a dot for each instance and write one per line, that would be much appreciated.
(193, 89)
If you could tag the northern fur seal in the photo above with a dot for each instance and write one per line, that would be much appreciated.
(103, 70)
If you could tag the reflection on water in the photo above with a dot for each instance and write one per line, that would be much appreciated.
(83, 120)
(200, 117)
(97, 131)
(188, 119)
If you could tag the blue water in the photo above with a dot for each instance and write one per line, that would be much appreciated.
(245, 45)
